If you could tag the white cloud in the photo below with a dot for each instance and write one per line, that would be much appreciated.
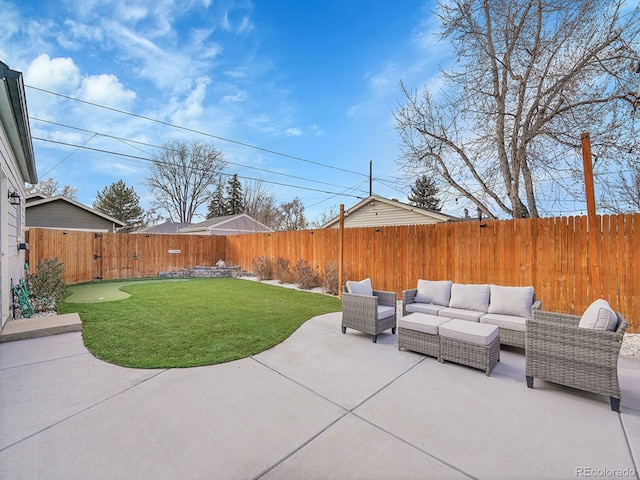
(192, 106)
(132, 13)
(243, 25)
(76, 35)
(62, 75)
(237, 97)
(293, 132)
(236, 74)
(106, 90)
(57, 74)
(10, 20)
(385, 81)
(317, 131)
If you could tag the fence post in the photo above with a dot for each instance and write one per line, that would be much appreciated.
(341, 251)
(595, 274)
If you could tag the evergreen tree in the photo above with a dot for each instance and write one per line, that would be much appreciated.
(218, 204)
(424, 194)
(121, 203)
(235, 198)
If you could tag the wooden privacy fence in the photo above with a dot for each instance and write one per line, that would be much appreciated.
(94, 256)
(554, 255)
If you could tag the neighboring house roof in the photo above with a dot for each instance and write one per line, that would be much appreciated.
(166, 228)
(15, 119)
(229, 225)
(63, 212)
(377, 211)
(34, 196)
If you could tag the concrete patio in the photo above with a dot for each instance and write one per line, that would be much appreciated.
(319, 405)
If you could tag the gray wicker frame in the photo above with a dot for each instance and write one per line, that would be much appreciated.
(408, 296)
(513, 338)
(469, 354)
(360, 312)
(420, 342)
(559, 351)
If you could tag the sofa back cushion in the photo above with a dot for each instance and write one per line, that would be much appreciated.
(599, 316)
(438, 292)
(470, 297)
(362, 287)
(514, 301)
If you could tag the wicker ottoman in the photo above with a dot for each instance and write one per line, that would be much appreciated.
(418, 332)
(473, 344)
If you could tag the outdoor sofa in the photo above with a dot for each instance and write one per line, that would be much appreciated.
(506, 307)
(577, 351)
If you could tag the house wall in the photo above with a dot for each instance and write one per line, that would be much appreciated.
(378, 214)
(60, 214)
(12, 225)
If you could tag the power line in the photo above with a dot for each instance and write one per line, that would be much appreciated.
(126, 141)
(65, 158)
(342, 194)
(136, 157)
(199, 132)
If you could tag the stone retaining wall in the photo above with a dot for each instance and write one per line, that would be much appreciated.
(203, 272)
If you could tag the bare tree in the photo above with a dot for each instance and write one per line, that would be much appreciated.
(324, 218)
(181, 175)
(292, 215)
(530, 77)
(624, 194)
(260, 204)
(51, 188)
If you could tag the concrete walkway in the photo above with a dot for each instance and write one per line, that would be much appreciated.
(319, 405)
(35, 327)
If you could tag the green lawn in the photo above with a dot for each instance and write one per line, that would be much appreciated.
(193, 322)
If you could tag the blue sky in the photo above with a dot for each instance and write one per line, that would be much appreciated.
(316, 80)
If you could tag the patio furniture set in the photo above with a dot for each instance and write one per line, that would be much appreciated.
(466, 324)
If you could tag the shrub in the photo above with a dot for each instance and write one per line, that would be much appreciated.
(263, 268)
(282, 271)
(330, 277)
(47, 285)
(306, 276)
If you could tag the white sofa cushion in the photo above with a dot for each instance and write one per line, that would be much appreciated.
(428, 308)
(476, 333)
(470, 297)
(461, 314)
(421, 322)
(599, 316)
(385, 312)
(435, 292)
(514, 301)
(508, 322)
(362, 287)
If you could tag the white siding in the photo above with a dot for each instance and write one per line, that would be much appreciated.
(378, 214)
(12, 225)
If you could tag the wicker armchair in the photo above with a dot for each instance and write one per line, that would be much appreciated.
(361, 312)
(558, 351)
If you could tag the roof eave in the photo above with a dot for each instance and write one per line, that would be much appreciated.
(17, 103)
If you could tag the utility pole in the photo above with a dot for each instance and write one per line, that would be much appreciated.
(370, 178)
